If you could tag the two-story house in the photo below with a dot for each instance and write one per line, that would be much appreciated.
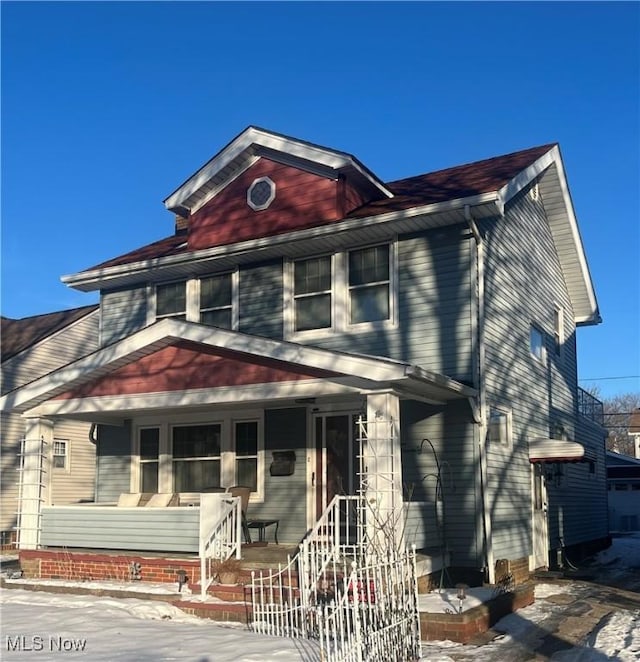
(299, 292)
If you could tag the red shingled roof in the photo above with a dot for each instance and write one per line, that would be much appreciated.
(430, 188)
(18, 334)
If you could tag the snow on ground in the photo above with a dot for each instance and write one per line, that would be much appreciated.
(43, 626)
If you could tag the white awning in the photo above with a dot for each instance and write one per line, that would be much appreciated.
(558, 450)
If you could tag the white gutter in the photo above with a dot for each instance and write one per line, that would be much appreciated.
(480, 384)
(230, 250)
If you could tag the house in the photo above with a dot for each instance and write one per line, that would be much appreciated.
(33, 347)
(300, 292)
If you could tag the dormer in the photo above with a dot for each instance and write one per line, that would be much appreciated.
(263, 183)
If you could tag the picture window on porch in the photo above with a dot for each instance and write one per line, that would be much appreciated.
(171, 300)
(216, 301)
(149, 455)
(312, 293)
(247, 451)
(196, 455)
(60, 459)
(369, 285)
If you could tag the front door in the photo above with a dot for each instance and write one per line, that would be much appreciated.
(336, 458)
(540, 525)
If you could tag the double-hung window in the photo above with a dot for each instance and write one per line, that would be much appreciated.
(247, 447)
(60, 458)
(369, 285)
(216, 301)
(499, 427)
(149, 457)
(171, 300)
(312, 293)
(196, 455)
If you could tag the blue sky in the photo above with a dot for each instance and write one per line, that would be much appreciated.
(108, 107)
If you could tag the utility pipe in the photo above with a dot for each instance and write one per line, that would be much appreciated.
(482, 396)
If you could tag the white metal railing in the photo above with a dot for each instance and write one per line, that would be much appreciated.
(222, 540)
(374, 612)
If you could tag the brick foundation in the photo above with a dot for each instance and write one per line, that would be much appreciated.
(77, 566)
(464, 627)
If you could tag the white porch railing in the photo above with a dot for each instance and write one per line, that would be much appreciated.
(220, 533)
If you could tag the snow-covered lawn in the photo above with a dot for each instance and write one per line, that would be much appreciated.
(44, 626)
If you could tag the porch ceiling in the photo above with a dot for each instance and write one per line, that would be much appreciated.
(313, 372)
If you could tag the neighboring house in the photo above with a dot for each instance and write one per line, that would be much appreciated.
(298, 292)
(623, 480)
(634, 431)
(33, 347)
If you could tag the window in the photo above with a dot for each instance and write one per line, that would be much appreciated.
(349, 290)
(149, 455)
(499, 427)
(536, 343)
(369, 285)
(558, 329)
(60, 454)
(171, 300)
(196, 452)
(216, 301)
(261, 193)
(312, 293)
(246, 446)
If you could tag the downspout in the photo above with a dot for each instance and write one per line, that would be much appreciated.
(481, 402)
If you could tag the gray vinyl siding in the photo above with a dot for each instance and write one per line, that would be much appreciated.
(81, 457)
(140, 529)
(451, 431)
(113, 462)
(285, 496)
(523, 283)
(434, 327)
(123, 312)
(261, 299)
(12, 432)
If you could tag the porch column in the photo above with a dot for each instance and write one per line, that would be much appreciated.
(34, 480)
(383, 470)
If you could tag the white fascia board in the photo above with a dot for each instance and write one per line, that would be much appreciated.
(523, 179)
(88, 280)
(252, 135)
(192, 398)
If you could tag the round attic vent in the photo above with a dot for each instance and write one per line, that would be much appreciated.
(261, 193)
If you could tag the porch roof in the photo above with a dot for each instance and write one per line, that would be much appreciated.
(326, 372)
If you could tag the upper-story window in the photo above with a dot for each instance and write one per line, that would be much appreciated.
(350, 290)
(536, 343)
(211, 300)
(499, 427)
(369, 285)
(312, 293)
(171, 300)
(216, 301)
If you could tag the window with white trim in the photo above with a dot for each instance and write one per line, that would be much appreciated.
(149, 441)
(247, 447)
(60, 458)
(369, 284)
(347, 291)
(216, 301)
(312, 293)
(171, 300)
(499, 427)
(196, 457)
(536, 343)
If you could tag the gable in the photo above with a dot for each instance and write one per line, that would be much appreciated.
(302, 199)
(186, 365)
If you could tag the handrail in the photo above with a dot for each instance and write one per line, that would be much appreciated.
(222, 540)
